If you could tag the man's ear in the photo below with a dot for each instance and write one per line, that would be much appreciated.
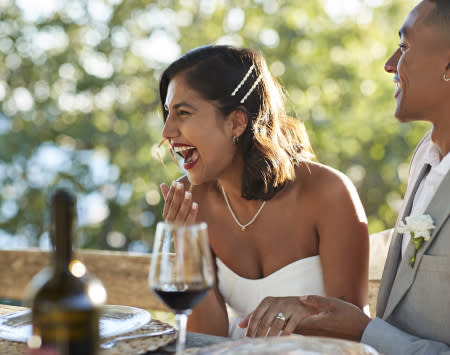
(239, 120)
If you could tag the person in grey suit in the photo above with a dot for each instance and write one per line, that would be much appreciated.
(413, 309)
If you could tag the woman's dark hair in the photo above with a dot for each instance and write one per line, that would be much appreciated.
(273, 143)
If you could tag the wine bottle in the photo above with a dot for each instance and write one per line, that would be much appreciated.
(66, 300)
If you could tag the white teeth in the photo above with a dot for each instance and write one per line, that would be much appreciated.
(182, 149)
(192, 157)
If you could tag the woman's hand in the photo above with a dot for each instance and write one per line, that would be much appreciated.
(263, 320)
(178, 207)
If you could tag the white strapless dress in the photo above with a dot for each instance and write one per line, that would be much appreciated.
(302, 277)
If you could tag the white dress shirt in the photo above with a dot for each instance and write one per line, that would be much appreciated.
(429, 185)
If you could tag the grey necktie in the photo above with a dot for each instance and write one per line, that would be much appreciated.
(409, 205)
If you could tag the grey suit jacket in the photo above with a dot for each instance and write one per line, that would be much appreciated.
(413, 309)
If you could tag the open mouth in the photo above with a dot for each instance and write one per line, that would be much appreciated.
(398, 88)
(188, 152)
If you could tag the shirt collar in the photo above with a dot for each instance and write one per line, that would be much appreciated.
(432, 157)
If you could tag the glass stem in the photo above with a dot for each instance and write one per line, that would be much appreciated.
(181, 319)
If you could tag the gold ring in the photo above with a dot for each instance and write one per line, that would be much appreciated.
(281, 316)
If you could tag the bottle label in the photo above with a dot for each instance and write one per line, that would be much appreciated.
(71, 332)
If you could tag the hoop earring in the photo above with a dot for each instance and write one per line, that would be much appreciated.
(445, 77)
(235, 140)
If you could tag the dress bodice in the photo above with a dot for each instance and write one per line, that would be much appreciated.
(242, 295)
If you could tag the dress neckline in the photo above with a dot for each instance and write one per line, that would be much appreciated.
(309, 259)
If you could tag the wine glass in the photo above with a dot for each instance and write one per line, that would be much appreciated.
(181, 271)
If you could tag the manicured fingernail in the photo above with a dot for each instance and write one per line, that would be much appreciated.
(303, 298)
(187, 195)
(174, 183)
(179, 185)
(194, 205)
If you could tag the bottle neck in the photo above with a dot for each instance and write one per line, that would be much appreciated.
(62, 233)
(62, 252)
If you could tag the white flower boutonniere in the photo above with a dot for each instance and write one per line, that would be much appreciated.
(420, 228)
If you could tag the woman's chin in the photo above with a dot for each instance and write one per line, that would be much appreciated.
(193, 179)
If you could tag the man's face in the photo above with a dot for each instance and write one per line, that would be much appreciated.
(419, 64)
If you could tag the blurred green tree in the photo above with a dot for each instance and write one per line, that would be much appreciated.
(79, 102)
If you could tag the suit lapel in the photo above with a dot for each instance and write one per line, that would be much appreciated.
(438, 209)
(394, 253)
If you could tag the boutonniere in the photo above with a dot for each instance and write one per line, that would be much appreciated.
(419, 227)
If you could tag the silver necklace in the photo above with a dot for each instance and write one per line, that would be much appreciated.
(243, 226)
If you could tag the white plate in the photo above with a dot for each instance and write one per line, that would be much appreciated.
(291, 345)
(114, 320)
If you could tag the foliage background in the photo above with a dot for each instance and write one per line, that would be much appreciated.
(79, 102)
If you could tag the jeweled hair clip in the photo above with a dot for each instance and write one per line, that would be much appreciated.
(258, 79)
(244, 79)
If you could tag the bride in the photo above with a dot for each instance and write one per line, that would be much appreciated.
(280, 225)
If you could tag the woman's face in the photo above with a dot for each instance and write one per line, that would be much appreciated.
(198, 132)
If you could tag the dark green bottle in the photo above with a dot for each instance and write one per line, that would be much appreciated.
(66, 301)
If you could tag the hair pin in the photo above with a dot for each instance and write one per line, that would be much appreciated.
(251, 89)
(243, 80)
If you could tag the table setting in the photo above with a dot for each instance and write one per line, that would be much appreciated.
(180, 273)
(123, 330)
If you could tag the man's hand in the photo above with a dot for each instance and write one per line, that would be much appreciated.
(332, 317)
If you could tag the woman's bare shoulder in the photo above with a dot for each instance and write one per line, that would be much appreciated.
(321, 178)
(332, 190)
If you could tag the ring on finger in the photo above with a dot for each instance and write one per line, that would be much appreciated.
(281, 317)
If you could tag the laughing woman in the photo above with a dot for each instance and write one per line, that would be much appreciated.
(280, 225)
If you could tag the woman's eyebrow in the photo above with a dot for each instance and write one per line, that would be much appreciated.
(178, 105)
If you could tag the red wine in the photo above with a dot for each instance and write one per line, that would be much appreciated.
(182, 297)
